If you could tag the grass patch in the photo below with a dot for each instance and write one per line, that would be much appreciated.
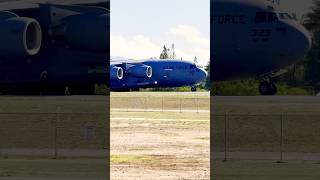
(164, 119)
(130, 159)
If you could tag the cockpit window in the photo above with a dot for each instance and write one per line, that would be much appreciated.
(265, 17)
(272, 17)
(269, 17)
(287, 16)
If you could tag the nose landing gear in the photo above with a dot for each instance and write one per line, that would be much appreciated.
(193, 89)
(267, 88)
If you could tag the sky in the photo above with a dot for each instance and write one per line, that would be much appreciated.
(140, 28)
(298, 6)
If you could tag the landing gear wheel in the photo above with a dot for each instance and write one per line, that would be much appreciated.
(274, 89)
(267, 88)
(193, 89)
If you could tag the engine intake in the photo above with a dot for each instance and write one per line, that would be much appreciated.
(116, 73)
(20, 36)
(142, 71)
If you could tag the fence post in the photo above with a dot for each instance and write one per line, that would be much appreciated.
(56, 133)
(55, 142)
(146, 104)
(180, 100)
(127, 104)
(1, 144)
(197, 104)
(225, 137)
(162, 103)
(281, 138)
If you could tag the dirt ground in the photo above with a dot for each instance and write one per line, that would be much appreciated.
(160, 145)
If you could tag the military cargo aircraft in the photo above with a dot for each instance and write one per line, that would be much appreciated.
(126, 74)
(254, 38)
(49, 45)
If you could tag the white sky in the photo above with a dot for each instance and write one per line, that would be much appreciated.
(298, 6)
(140, 28)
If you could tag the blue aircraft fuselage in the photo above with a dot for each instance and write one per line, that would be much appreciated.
(165, 73)
(250, 38)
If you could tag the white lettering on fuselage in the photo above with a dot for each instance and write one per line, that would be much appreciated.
(229, 19)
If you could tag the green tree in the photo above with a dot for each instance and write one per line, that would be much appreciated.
(312, 62)
(165, 53)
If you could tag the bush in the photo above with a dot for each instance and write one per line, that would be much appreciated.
(249, 87)
(101, 89)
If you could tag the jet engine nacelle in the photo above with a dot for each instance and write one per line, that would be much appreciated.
(116, 73)
(19, 36)
(142, 71)
(88, 31)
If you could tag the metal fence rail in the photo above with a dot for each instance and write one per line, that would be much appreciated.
(161, 103)
(278, 137)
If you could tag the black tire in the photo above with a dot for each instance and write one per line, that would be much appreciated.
(267, 89)
(264, 88)
(274, 89)
(193, 89)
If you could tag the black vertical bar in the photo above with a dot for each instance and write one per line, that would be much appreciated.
(225, 137)
(162, 103)
(281, 139)
(180, 104)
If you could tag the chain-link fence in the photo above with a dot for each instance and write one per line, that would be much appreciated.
(54, 134)
(160, 103)
(277, 137)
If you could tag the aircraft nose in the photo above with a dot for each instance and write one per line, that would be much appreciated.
(202, 75)
(304, 39)
(307, 38)
(205, 74)
(295, 43)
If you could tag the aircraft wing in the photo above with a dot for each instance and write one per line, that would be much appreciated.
(14, 5)
(135, 68)
(116, 60)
